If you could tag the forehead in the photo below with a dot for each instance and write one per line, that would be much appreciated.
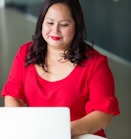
(59, 10)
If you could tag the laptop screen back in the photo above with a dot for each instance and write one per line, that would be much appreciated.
(34, 123)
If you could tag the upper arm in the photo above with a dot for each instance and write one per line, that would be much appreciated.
(102, 89)
(14, 85)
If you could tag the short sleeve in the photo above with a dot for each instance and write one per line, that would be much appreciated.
(14, 85)
(102, 88)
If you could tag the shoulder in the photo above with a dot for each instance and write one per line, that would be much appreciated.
(22, 51)
(98, 68)
(94, 56)
(25, 46)
(97, 63)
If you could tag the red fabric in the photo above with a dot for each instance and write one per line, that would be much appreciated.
(87, 88)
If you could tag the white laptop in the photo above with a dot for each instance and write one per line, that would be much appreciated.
(35, 123)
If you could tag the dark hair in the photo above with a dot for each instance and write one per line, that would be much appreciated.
(76, 53)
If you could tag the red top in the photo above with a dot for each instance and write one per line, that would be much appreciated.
(87, 88)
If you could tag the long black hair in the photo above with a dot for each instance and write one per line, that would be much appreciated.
(76, 52)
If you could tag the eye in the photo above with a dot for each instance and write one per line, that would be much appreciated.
(64, 25)
(50, 23)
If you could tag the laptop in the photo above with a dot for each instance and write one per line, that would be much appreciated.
(35, 123)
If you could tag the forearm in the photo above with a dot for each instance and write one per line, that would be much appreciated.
(12, 102)
(90, 123)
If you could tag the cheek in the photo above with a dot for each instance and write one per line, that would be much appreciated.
(70, 33)
(45, 31)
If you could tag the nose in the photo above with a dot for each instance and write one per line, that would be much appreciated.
(56, 28)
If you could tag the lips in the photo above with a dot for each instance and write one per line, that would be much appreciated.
(55, 38)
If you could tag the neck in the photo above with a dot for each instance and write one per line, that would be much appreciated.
(55, 54)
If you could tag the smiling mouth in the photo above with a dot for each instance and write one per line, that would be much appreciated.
(55, 38)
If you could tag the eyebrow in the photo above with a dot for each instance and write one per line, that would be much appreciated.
(67, 20)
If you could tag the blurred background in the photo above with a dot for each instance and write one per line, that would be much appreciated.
(108, 24)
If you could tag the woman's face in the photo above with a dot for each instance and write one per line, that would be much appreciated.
(58, 27)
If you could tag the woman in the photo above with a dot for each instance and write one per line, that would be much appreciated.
(59, 69)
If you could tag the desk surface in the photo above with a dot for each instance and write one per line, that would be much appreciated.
(88, 136)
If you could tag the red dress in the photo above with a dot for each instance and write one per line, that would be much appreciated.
(87, 88)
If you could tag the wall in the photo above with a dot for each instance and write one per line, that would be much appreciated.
(108, 25)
